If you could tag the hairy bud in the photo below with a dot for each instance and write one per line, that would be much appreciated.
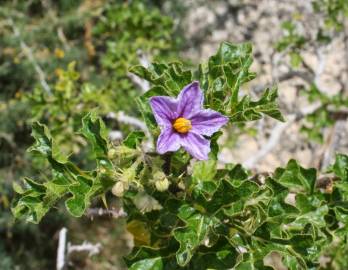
(161, 181)
(162, 185)
(125, 152)
(128, 175)
(102, 170)
(119, 188)
(112, 153)
(159, 175)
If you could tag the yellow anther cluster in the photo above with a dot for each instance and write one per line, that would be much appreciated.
(182, 125)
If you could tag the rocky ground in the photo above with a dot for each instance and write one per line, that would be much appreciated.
(207, 23)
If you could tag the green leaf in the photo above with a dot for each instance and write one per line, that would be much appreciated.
(247, 110)
(31, 205)
(297, 178)
(214, 146)
(94, 130)
(232, 62)
(35, 201)
(218, 258)
(134, 139)
(152, 75)
(43, 140)
(295, 59)
(81, 193)
(148, 264)
(191, 236)
(146, 112)
(171, 77)
(203, 178)
(278, 207)
(204, 171)
(340, 167)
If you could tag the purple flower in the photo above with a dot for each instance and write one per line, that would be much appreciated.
(183, 122)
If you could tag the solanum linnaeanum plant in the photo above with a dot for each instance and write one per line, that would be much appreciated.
(187, 213)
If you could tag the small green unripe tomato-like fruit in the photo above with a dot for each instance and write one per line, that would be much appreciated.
(162, 185)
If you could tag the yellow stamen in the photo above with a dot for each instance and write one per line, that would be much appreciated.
(182, 125)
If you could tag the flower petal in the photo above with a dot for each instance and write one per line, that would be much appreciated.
(207, 122)
(190, 100)
(167, 141)
(196, 145)
(164, 110)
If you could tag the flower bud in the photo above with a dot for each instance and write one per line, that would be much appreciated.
(162, 185)
(128, 175)
(112, 153)
(158, 176)
(125, 152)
(118, 189)
(102, 170)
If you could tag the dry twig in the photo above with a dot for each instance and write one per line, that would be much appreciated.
(26, 49)
(114, 213)
(61, 252)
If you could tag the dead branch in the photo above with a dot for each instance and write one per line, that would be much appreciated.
(65, 249)
(141, 83)
(115, 135)
(61, 252)
(27, 51)
(331, 144)
(271, 143)
(121, 117)
(277, 132)
(114, 213)
(86, 246)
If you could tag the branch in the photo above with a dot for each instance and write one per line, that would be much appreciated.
(127, 119)
(9, 139)
(306, 76)
(63, 38)
(130, 120)
(115, 135)
(92, 249)
(332, 143)
(141, 83)
(65, 250)
(61, 258)
(272, 142)
(27, 51)
(93, 212)
(320, 52)
(345, 40)
(277, 132)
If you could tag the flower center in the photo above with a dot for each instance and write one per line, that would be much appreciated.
(182, 125)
